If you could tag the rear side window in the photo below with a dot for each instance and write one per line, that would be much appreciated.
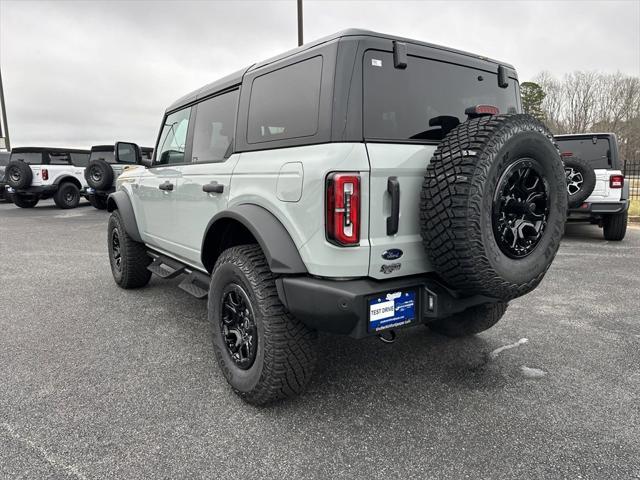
(214, 127)
(173, 138)
(426, 100)
(285, 103)
(80, 159)
(594, 150)
(59, 159)
(107, 156)
(31, 158)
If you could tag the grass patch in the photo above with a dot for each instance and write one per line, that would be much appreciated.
(634, 208)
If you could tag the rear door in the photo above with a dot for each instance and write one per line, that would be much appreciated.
(406, 113)
(596, 150)
(203, 184)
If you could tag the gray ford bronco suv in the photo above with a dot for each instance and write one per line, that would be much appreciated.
(356, 185)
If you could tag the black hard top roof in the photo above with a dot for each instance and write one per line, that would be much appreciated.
(236, 77)
(47, 150)
(111, 148)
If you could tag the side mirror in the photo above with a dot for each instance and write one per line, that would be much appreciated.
(146, 162)
(127, 152)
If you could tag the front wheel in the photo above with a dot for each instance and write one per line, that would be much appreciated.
(264, 352)
(128, 258)
(67, 196)
(24, 201)
(614, 226)
(471, 321)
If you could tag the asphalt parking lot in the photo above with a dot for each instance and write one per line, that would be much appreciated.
(97, 382)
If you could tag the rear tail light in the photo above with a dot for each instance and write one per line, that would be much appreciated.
(566, 154)
(45, 174)
(343, 209)
(616, 181)
(481, 110)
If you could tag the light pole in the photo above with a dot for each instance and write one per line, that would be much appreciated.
(4, 128)
(300, 36)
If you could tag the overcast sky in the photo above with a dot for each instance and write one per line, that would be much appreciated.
(88, 72)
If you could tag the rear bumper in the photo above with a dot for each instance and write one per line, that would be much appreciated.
(38, 191)
(341, 306)
(600, 208)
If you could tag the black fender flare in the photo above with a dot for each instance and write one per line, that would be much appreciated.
(279, 249)
(120, 201)
(68, 178)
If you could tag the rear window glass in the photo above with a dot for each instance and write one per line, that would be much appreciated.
(108, 157)
(59, 159)
(285, 103)
(31, 158)
(426, 100)
(80, 159)
(594, 150)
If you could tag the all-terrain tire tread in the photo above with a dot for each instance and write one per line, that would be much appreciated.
(614, 226)
(135, 259)
(290, 346)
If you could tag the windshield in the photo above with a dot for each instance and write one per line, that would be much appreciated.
(594, 150)
(426, 100)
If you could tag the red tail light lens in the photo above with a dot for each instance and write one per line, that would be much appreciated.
(566, 154)
(616, 181)
(343, 209)
(45, 174)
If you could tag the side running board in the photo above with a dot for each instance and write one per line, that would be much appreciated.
(165, 267)
(195, 283)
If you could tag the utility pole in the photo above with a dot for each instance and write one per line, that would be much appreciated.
(300, 36)
(4, 128)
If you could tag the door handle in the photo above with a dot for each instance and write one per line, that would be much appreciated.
(213, 187)
(393, 187)
(166, 186)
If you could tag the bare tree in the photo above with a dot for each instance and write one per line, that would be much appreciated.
(590, 102)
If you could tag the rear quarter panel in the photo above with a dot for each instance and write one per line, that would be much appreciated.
(255, 180)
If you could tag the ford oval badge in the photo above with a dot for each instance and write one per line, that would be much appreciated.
(392, 254)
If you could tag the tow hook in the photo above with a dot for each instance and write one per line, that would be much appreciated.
(387, 337)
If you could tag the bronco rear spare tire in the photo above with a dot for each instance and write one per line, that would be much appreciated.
(18, 174)
(494, 205)
(99, 174)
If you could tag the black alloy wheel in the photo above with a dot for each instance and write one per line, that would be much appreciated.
(238, 326)
(116, 251)
(520, 208)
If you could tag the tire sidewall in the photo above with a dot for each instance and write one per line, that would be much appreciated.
(588, 180)
(62, 191)
(105, 170)
(115, 223)
(536, 146)
(241, 380)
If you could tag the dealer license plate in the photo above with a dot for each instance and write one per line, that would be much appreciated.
(392, 310)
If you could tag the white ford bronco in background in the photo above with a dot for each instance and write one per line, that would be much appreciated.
(103, 170)
(36, 173)
(356, 185)
(595, 183)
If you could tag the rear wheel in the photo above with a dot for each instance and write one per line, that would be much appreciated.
(24, 201)
(67, 196)
(264, 353)
(128, 258)
(614, 226)
(471, 321)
